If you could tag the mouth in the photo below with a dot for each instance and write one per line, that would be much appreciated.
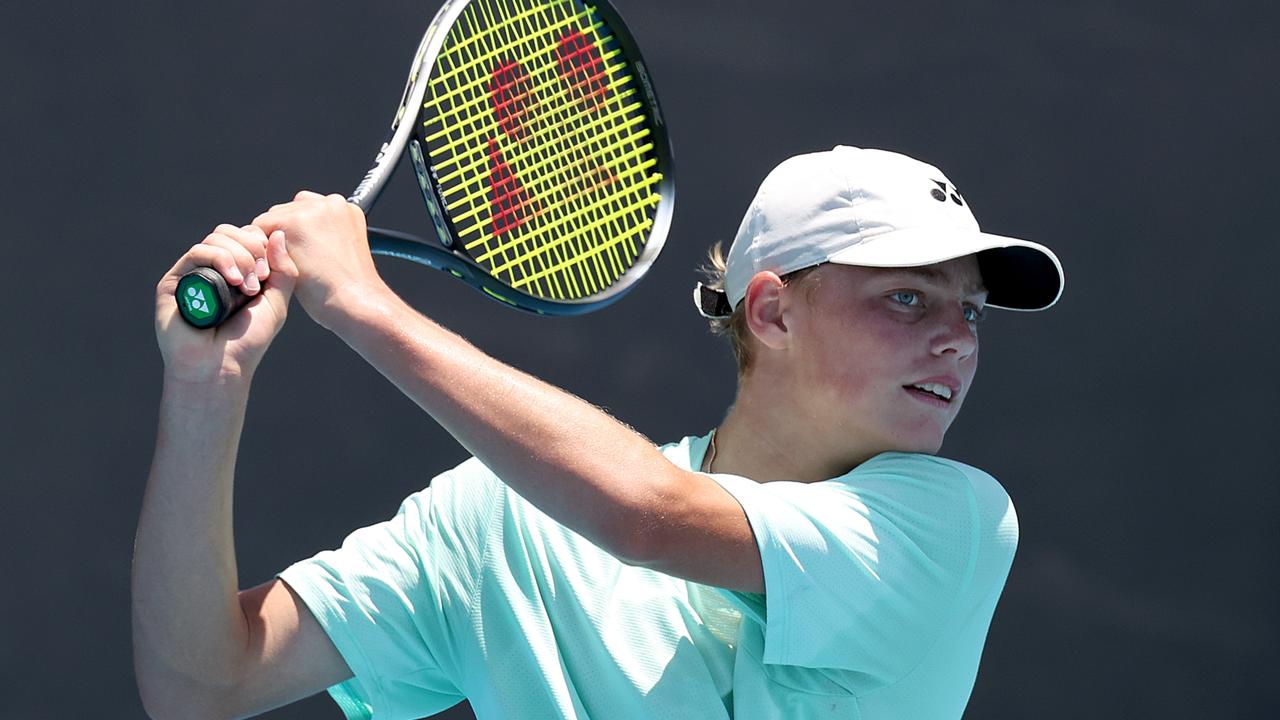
(933, 393)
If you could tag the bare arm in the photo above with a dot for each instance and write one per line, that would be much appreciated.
(568, 458)
(188, 628)
(201, 649)
(573, 461)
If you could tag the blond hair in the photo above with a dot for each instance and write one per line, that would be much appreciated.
(735, 326)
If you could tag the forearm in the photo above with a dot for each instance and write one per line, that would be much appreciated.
(188, 628)
(571, 460)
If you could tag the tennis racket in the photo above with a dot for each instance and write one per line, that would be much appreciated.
(541, 153)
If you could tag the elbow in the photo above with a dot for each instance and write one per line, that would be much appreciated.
(641, 537)
(157, 707)
(172, 707)
(618, 533)
(167, 697)
(633, 548)
(166, 706)
(179, 680)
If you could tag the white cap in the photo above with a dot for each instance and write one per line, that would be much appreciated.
(875, 208)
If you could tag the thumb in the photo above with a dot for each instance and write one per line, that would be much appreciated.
(284, 274)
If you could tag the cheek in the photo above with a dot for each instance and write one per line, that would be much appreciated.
(968, 370)
(861, 362)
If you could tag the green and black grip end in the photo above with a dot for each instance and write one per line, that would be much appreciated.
(205, 299)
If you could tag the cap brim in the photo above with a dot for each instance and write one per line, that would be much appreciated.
(1018, 274)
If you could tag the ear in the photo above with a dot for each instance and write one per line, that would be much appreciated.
(763, 305)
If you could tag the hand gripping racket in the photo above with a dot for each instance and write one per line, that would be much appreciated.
(540, 151)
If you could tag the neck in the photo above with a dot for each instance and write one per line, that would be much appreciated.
(766, 436)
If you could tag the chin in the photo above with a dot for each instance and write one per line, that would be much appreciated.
(921, 440)
(925, 447)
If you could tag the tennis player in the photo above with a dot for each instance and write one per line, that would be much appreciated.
(810, 558)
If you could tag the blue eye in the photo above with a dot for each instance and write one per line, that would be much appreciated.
(974, 314)
(906, 297)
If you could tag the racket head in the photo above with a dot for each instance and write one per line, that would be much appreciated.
(541, 152)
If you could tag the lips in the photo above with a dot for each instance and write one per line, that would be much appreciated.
(927, 397)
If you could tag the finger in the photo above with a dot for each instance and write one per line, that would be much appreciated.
(253, 239)
(286, 274)
(279, 257)
(245, 263)
(274, 218)
(262, 268)
(307, 195)
(202, 255)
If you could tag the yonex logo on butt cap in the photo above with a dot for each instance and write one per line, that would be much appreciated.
(197, 303)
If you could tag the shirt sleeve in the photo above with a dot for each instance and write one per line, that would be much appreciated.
(863, 572)
(394, 598)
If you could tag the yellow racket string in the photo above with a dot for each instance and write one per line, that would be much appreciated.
(599, 205)
(471, 84)
(481, 102)
(540, 168)
(562, 112)
(616, 265)
(524, 172)
(498, 42)
(542, 153)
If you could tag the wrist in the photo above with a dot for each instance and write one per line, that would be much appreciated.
(227, 390)
(356, 306)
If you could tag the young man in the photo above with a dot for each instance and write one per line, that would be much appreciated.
(810, 558)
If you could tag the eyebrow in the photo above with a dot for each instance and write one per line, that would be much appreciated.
(939, 277)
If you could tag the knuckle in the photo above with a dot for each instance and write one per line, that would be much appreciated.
(217, 241)
(237, 249)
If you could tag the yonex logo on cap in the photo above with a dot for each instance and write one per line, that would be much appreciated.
(940, 193)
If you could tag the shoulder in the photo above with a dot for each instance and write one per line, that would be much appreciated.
(967, 500)
(929, 475)
(971, 500)
(686, 452)
(863, 571)
(923, 466)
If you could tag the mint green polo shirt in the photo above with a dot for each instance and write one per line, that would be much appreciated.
(880, 586)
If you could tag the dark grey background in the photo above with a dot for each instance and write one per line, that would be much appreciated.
(1132, 424)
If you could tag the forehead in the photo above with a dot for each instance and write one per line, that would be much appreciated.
(961, 274)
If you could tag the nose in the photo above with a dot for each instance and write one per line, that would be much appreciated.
(955, 335)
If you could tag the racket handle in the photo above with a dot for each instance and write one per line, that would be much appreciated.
(205, 300)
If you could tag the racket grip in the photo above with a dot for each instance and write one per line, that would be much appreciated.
(205, 300)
